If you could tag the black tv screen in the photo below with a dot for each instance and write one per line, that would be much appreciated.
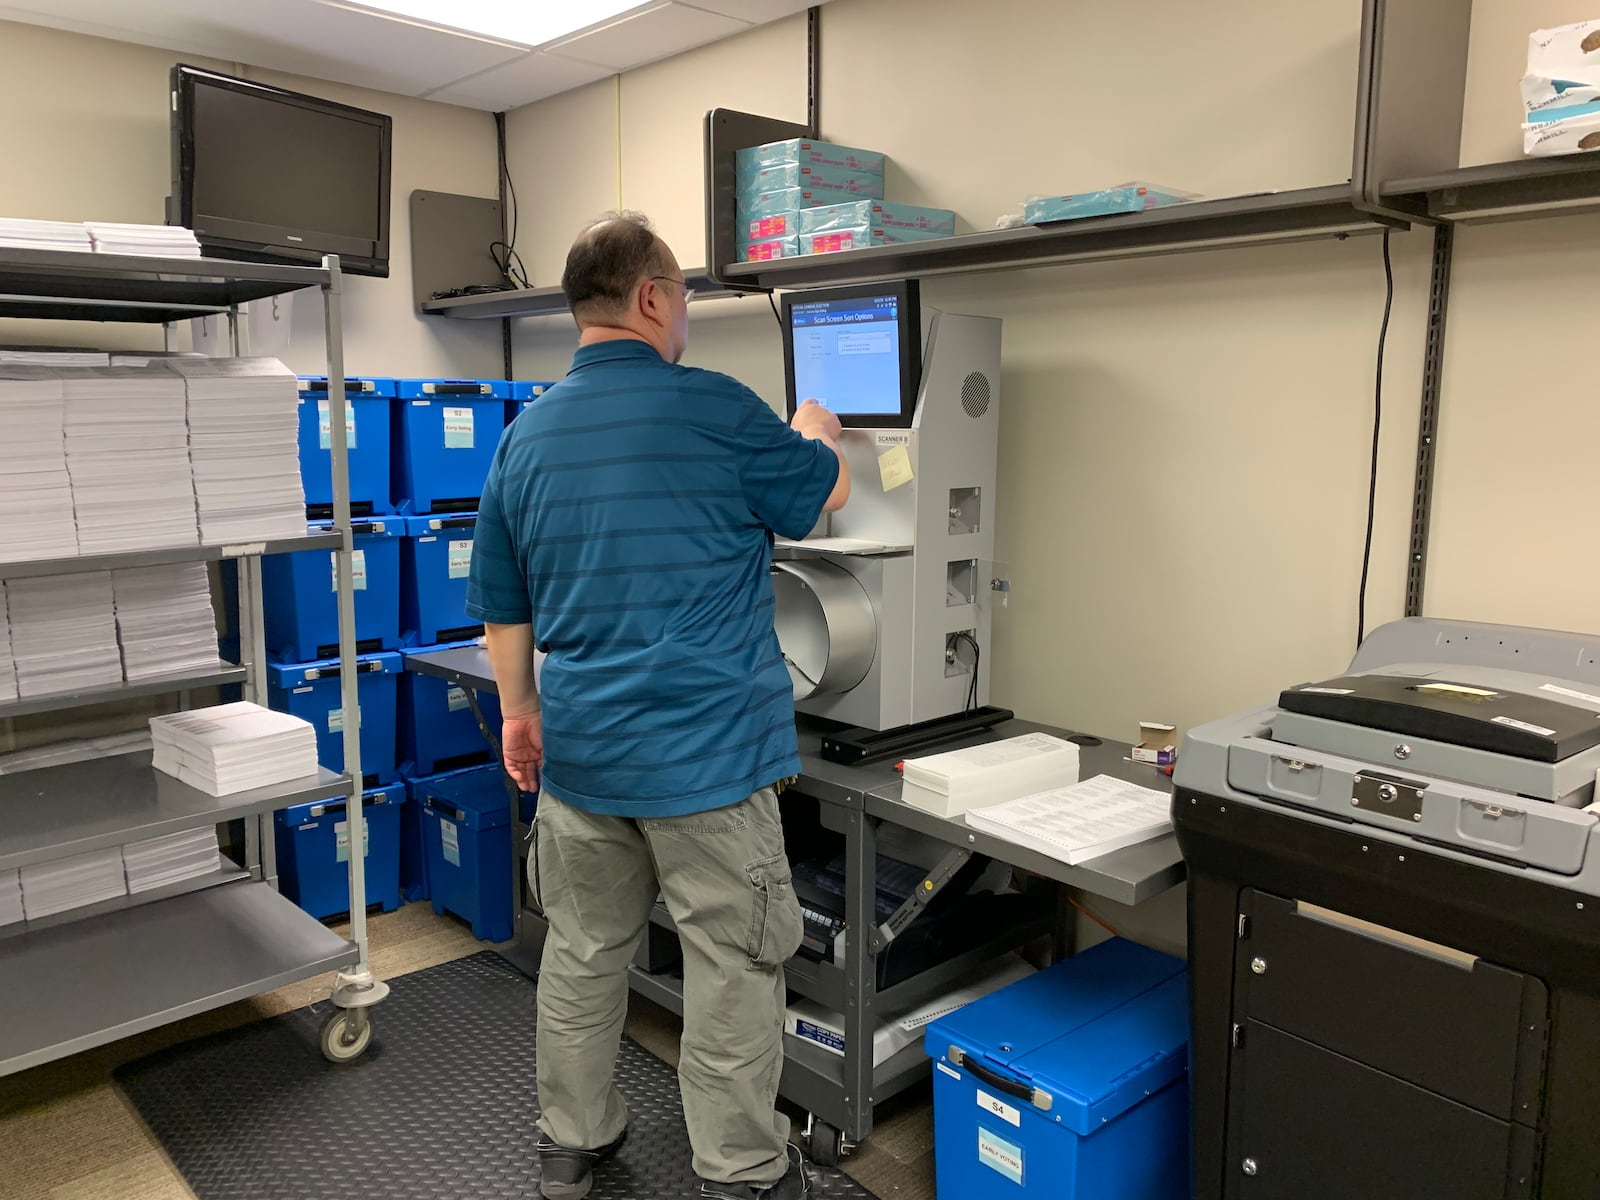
(268, 175)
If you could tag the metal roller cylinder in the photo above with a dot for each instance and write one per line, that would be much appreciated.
(826, 626)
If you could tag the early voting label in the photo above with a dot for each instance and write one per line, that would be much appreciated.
(1000, 1155)
(458, 429)
(358, 570)
(451, 841)
(456, 698)
(336, 720)
(325, 418)
(460, 558)
(341, 840)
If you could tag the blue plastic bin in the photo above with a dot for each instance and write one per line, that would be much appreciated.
(445, 433)
(1071, 1084)
(314, 850)
(371, 404)
(466, 831)
(311, 690)
(302, 609)
(524, 393)
(437, 729)
(434, 564)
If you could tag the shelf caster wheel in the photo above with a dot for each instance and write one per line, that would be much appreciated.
(346, 1034)
(827, 1144)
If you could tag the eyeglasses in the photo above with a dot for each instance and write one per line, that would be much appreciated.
(688, 292)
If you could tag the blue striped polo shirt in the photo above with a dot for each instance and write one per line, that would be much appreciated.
(629, 515)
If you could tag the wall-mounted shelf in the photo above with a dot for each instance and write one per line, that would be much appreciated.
(1203, 225)
(543, 301)
(72, 285)
(1530, 187)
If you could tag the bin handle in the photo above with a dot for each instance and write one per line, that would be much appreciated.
(454, 522)
(350, 385)
(456, 389)
(446, 810)
(333, 672)
(367, 527)
(1038, 1098)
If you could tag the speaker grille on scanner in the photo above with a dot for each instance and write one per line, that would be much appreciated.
(975, 395)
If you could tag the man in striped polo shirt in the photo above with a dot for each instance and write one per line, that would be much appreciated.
(626, 531)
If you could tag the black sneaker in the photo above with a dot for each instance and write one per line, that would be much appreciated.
(569, 1174)
(795, 1185)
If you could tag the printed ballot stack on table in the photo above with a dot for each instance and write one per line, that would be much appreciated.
(35, 489)
(163, 861)
(950, 783)
(21, 233)
(233, 747)
(54, 887)
(244, 443)
(127, 444)
(162, 241)
(165, 622)
(63, 633)
(45, 889)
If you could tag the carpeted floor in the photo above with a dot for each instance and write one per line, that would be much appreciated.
(68, 1134)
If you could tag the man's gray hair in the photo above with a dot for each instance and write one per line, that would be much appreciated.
(607, 262)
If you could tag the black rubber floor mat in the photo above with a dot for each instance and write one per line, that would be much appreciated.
(441, 1107)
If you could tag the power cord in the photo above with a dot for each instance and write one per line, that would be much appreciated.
(517, 274)
(1377, 430)
(977, 659)
(775, 315)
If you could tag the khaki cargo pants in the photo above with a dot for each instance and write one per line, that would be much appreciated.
(725, 878)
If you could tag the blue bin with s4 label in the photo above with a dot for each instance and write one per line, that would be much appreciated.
(301, 606)
(466, 832)
(1071, 1084)
(438, 731)
(311, 690)
(314, 852)
(445, 433)
(367, 429)
(524, 393)
(435, 563)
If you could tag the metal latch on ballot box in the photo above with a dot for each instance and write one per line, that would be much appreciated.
(1389, 795)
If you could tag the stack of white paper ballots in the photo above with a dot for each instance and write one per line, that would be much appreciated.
(21, 233)
(35, 489)
(163, 861)
(1078, 823)
(233, 747)
(165, 621)
(63, 633)
(159, 241)
(950, 783)
(128, 455)
(244, 443)
(53, 887)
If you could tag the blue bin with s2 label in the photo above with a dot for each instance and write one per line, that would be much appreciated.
(1071, 1084)
(466, 832)
(311, 690)
(301, 607)
(435, 563)
(445, 434)
(314, 851)
(367, 429)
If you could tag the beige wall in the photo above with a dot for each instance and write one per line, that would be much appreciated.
(1225, 398)
(94, 144)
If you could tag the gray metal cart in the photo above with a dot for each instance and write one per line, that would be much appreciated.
(95, 974)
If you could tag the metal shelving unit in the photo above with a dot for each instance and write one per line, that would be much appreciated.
(1530, 187)
(102, 972)
(545, 301)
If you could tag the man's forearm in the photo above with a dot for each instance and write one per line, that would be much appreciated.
(511, 657)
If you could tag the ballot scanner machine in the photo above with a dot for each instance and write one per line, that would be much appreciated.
(883, 610)
(1394, 925)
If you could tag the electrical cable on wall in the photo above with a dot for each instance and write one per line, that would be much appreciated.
(775, 315)
(1377, 431)
(509, 265)
(977, 658)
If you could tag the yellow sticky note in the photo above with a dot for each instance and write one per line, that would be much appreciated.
(895, 467)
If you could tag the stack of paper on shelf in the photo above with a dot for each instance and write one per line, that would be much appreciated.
(165, 622)
(243, 440)
(233, 747)
(20, 233)
(160, 241)
(128, 454)
(8, 668)
(163, 861)
(950, 783)
(35, 489)
(1078, 823)
(53, 887)
(10, 897)
(63, 633)
(47, 356)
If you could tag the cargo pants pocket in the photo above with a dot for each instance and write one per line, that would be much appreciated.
(776, 923)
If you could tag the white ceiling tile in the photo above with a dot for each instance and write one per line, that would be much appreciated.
(757, 12)
(529, 78)
(648, 36)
